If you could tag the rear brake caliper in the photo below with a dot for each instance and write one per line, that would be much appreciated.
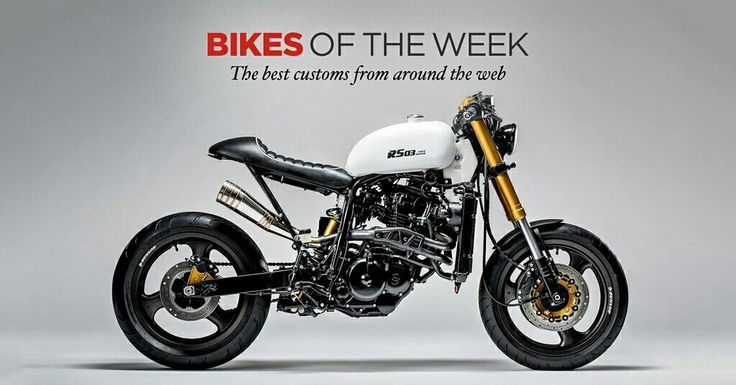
(186, 307)
(202, 270)
(196, 275)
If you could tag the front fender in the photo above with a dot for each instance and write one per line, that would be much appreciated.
(542, 224)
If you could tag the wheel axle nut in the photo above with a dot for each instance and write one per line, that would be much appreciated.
(189, 290)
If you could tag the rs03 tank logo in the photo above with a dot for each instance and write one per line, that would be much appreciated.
(399, 153)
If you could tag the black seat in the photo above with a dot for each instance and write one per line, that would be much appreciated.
(314, 176)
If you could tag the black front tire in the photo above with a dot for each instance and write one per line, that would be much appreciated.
(529, 352)
(163, 348)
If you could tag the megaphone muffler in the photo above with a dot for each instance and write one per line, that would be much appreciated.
(238, 200)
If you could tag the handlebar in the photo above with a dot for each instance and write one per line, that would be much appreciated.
(475, 107)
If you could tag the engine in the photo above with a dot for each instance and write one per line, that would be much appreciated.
(374, 283)
(403, 202)
(402, 227)
(384, 269)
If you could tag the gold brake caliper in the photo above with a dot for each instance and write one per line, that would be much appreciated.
(195, 276)
(561, 317)
(565, 312)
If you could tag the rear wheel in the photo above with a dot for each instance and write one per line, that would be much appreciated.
(169, 328)
(562, 337)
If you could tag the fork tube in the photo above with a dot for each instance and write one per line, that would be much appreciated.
(526, 230)
(510, 201)
(502, 182)
(504, 188)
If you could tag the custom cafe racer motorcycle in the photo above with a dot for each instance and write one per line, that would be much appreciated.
(193, 290)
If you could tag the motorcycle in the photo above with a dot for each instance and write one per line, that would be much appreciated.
(193, 290)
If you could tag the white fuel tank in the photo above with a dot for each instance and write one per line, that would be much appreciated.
(416, 145)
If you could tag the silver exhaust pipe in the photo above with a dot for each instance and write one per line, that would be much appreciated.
(235, 198)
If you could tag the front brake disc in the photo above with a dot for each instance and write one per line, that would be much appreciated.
(560, 319)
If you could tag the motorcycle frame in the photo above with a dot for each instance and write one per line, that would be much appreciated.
(284, 280)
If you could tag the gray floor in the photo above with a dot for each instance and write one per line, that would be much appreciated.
(282, 356)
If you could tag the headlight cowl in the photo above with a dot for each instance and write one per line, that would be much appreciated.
(506, 139)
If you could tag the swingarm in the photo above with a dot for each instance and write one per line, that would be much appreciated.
(253, 284)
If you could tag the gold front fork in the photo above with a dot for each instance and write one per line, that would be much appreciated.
(502, 182)
(507, 195)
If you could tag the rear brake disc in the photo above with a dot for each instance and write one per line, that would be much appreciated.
(189, 309)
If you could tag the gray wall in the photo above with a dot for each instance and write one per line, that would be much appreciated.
(108, 109)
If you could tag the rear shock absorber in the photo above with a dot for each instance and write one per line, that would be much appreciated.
(329, 223)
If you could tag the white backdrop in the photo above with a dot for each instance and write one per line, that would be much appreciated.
(108, 109)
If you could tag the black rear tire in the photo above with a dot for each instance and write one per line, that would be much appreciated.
(531, 353)
(243, 325)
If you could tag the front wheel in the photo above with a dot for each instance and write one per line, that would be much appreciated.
(560, 337)
(168, 327)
